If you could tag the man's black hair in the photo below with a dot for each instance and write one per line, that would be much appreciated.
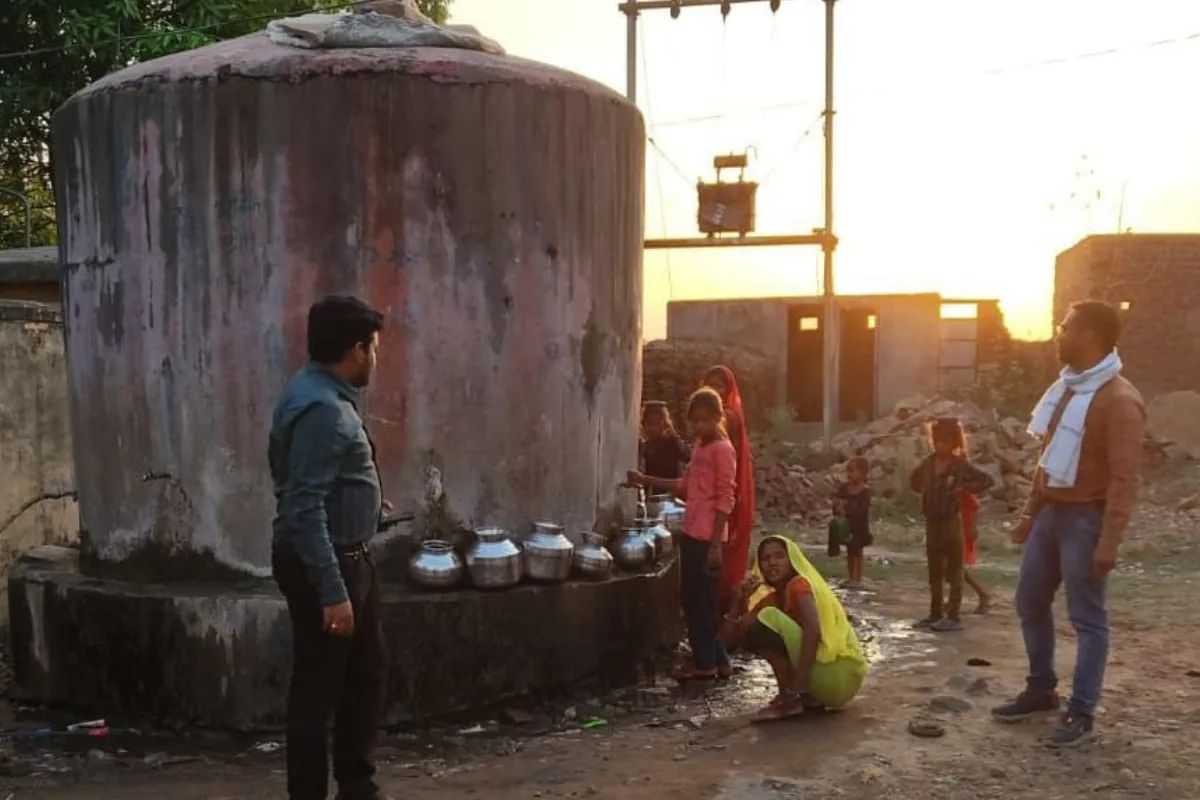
(336, 324)
(1100, 318)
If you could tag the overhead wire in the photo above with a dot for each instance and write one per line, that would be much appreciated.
(662, 199)
(925, 85)
(783, 159)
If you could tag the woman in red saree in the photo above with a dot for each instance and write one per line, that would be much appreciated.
(741, 521)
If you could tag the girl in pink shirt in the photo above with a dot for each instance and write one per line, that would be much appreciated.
(708, 487)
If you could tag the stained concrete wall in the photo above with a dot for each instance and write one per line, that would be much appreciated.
(1156, 276)
(491, 206)
(35, 434)
(907, 341)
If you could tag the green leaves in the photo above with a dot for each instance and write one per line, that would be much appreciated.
(50, 49)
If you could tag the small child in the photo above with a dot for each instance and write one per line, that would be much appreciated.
(661, 451)
(708, 487)
(852, 502)
(941, 480)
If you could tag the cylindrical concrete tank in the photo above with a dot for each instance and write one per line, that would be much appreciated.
(491, 206)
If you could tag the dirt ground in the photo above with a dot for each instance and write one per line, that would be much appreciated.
(660, 743)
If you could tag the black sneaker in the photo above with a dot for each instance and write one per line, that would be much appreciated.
(1025, 706)
(1073, 729)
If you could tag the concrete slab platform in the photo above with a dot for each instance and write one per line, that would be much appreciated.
(219, 654)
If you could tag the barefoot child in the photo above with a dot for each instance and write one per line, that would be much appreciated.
(970, 523)
(661, 450)
(786, 614)
(941, 479)
(852, 501)
(708, 487)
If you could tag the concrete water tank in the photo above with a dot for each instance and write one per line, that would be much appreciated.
(491, 206)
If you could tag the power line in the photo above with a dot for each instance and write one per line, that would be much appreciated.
(119, 40)
(1190, 38)
(775, 168)
(663, 154)
(662, 199)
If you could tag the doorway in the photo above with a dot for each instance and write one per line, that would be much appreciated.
(806, 343)
(856, 387)
(805, 355)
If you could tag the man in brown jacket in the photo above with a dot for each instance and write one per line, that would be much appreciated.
(1092, 423)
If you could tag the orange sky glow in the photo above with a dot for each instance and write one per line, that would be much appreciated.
(964, 161)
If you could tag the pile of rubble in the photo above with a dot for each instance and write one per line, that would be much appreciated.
(794, 481)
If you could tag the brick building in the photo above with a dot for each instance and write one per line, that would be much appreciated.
(1154, 279)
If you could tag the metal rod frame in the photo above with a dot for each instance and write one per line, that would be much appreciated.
(824, 238)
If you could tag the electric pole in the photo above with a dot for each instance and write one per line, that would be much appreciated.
(823, 236)
(831, 373)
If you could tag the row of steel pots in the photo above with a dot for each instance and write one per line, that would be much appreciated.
(495, 561)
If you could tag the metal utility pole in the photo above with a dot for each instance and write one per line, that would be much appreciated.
(823, 236)
(831, 374)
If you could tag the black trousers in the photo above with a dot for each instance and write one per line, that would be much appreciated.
(698, 593)
(944, 551)
(333, 677)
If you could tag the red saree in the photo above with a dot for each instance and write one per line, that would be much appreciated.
(741, 521)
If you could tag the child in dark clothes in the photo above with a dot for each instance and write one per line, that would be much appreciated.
(852, 502)
(942, 479)
(661, 450)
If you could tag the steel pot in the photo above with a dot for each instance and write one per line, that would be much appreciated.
(668, 509)
(659, 536)
(592, 559)
(435, 565)
(634, 549)
(494, 562)
(547, 553)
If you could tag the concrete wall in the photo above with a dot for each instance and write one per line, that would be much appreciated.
(491, 206)
(1158, 276)
(35, 434)
(907, 345)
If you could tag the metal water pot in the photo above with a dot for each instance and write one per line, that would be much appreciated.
(634, 549)
(592, 559)
(494, 561)
(547, 553)
(435, 565)
(659, 536)
(669, 509)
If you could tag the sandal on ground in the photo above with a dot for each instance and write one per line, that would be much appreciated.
(688, 672)
(985, 606)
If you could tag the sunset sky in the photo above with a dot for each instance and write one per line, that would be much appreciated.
(963, 162)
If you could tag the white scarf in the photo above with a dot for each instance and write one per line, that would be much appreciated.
(1060, 460)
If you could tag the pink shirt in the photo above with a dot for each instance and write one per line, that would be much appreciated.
(708, 487)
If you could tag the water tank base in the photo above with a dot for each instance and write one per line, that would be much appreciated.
(220, 656)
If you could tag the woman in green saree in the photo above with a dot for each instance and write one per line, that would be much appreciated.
(786, 614)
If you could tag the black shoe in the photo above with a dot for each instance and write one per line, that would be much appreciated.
(1073, 729)
(927, 623)
(947, 625)
(1026, 705)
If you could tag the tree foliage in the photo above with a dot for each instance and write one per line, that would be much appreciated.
(50, 49)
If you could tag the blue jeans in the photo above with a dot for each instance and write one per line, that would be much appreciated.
(698, 593)
(1060, 550)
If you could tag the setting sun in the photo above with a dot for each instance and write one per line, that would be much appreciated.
(973, 141)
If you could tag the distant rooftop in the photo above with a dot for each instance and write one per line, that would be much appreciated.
(1133, 239)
